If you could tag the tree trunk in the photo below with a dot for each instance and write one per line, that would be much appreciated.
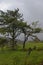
(13, 43)
(26, 38)
(24, 43)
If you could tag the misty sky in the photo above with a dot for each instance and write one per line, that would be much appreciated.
(32, 9)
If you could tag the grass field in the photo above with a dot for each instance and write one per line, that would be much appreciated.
(20, 57)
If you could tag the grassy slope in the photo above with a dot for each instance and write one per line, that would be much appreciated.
(21, 57)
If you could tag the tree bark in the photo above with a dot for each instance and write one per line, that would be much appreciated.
(13, 43)
(24, 44)
(26, 38)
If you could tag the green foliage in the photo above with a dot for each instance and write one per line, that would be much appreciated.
(14, 22)
(3, 41)
(34, 24)
(16, 25)
(37, 30)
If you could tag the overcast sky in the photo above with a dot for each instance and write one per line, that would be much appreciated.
(32, 9)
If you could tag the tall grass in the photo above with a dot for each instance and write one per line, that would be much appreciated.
(20, 57)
